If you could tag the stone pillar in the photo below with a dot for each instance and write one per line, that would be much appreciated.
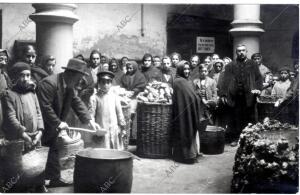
(54, 31)
(246, 28)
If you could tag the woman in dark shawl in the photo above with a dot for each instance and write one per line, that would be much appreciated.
(186, 117)
(133, 80)
(115, 68)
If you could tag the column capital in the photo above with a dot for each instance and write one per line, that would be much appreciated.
(246, 27)
(54, 12)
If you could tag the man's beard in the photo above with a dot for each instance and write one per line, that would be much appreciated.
(165, 69)
(94, 65)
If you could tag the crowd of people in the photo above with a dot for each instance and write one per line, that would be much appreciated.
(35, 102)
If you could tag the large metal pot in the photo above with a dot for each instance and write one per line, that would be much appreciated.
(103, 171)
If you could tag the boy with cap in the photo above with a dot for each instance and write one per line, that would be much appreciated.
(22, 114)
(106, 110)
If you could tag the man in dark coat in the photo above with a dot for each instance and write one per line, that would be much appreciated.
(242, 81)
(57, 95)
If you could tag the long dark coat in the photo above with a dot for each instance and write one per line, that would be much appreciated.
(186, 118)
(253, 80)
(55, 102)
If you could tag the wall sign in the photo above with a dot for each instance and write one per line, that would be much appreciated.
(205, 45)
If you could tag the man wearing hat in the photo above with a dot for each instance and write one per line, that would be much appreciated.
(57, 95)
(5, 82)
(106, 110)
(22, 115)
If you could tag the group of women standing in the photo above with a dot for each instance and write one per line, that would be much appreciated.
(189, 114)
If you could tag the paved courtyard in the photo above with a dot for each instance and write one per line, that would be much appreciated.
(212, 174)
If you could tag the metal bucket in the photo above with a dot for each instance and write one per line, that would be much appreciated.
(103, 171)
(23, 170)
(212, 140)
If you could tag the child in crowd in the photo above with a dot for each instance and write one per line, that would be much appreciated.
(175, 58)
(157, 61)
(23, 118)
(105, 66)
(208, 62)
(280, 88)
(268, 84)
(206, 88)
(106, 110)
(22, 114)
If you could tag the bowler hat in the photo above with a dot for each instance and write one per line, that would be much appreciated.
(106, 75)
(76, 65)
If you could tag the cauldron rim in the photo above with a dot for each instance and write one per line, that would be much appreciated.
(214, 128)
(83, 154)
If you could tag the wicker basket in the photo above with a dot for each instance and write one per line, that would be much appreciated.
(153, 129)
(126, 113)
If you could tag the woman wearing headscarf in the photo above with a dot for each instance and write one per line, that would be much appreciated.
(186, 116)
(135, 82)
(150, 72)
(45, 69)
(115, 68)
(217, 70)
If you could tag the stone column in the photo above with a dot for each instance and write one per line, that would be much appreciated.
(54, 31)
(246, 28)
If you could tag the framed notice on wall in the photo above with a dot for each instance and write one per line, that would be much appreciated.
(205, 45)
